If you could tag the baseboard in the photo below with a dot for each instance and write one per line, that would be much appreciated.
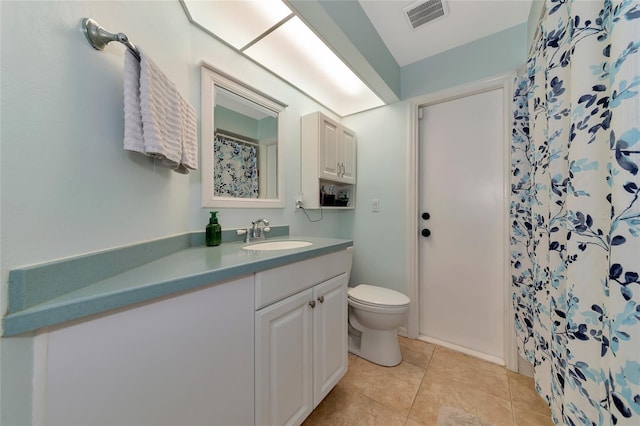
(402, 331)
(490, 358)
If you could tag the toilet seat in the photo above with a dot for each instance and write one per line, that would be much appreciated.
(375, 296)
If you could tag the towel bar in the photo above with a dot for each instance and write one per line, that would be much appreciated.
(98, 37)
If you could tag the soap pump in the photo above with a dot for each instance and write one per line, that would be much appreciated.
(213, 234)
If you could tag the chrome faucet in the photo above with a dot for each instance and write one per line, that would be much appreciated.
(257, 231)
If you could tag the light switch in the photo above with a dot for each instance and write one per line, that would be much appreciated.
(375, 205)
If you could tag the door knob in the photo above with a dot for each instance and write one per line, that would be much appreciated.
(425, 232)
(426, 216)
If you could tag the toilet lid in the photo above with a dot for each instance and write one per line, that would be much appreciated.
(377, 295)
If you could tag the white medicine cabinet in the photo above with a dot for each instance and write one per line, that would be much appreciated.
(328, 163)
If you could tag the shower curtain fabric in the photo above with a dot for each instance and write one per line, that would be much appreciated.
(575, 213)
(235, 170)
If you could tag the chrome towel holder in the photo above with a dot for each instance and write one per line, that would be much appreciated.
(98, 37)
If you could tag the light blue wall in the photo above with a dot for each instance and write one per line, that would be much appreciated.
(67, 186)
(267, 128)
(380, 238)
(489, 56)
(241, 124)
(234, 122)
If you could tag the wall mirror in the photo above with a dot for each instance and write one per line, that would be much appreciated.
(242, 153)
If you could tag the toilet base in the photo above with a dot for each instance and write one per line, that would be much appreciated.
(379, 347)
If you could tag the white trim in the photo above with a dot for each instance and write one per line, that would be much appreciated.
(510, 342)
(413, 196)
(490, 358)
(502, 81)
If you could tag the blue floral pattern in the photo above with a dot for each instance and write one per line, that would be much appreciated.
(235, 170)
(575, 214)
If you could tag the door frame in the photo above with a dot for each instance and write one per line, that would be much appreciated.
(502, 81)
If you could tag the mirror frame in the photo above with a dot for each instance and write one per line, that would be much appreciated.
(210, 78)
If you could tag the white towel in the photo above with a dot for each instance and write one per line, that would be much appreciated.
(158, 122)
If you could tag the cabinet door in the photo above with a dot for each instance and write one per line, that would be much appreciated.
(330, 360)
(284, 369)
(348, 156)
(328, 149)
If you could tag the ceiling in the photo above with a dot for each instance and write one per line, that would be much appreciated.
(467, 20)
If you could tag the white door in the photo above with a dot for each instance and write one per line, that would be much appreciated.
(330, 359)
(462, 189)
(284, 364)
(328, 149)
(348, 158)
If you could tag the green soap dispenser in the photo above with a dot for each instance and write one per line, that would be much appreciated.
(213, 234)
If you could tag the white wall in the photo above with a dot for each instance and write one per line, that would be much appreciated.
(68, 187)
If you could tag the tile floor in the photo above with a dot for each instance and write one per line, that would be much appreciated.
(430, 377)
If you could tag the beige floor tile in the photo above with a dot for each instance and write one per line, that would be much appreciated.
(429, 378)
(476, 373)
(394, 387)
(439, 391)
(342, 407)
(416, 352)
(526, 417)
(524, 395)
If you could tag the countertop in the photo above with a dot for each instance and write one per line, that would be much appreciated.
(186, 269)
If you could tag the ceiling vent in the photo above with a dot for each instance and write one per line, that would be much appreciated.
(422, 12)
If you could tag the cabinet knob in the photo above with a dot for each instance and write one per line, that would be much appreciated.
(321, 299)
(312, 303)
(426, 216)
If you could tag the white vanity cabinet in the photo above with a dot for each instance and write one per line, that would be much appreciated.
(263, 348)
(182, 360)
(328, 157)
(301, 345)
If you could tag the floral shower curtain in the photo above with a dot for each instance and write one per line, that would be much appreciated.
(235, 170)
(575, 213)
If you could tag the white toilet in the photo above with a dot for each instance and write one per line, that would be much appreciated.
(375, 313)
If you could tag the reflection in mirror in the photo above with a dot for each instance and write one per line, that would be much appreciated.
(242, 161)
(245, 148)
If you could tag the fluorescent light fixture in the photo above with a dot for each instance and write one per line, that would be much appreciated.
(295, 53)
(268, 32)
(238, 22)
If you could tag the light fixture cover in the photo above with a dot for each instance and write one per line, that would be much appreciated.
(237, 22)
(298, 55)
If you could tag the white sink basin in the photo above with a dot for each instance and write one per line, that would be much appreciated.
(277, 245)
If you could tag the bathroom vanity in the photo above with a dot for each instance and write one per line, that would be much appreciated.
(301, 340)
(239, 337)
